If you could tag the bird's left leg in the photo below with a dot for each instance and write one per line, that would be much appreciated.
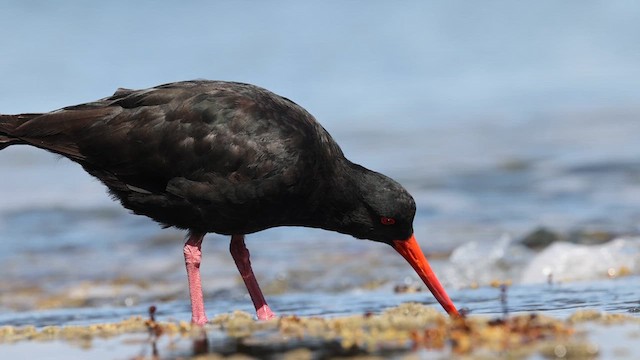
(192, 258)
(240, 255)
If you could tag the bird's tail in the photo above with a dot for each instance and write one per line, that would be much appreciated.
(5, 130)
(8, 125)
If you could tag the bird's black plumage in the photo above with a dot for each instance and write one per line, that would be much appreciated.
(214, 156)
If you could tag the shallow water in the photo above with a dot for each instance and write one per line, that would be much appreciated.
(560, 300)
(608, 341)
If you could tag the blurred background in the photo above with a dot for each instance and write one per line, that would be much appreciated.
(515, 128)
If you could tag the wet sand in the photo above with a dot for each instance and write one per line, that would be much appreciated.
(408, 331)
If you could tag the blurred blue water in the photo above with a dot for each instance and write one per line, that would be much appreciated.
(356, 62)
(498, 117)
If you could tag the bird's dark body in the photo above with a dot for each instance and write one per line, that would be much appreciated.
(213, 156)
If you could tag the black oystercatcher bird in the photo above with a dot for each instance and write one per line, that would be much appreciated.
(229, 158)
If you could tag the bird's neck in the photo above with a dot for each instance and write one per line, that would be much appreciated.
(336, 199)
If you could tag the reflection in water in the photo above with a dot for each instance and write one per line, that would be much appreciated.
(197, 335)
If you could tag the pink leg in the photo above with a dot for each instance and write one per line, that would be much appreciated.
(192, 257)
(240, 255)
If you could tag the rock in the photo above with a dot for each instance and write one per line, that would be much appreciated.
(539, 238)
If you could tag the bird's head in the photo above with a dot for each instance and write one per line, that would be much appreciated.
(383, 211)
(379, 208)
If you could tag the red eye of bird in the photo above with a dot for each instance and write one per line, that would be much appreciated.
(387, 220)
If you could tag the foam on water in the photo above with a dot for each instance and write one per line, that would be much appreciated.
(477, 263)
(572, 262)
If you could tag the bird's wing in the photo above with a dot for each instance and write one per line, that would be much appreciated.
(205, 132)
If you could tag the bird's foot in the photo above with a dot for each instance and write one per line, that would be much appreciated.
(265, 313)
(199, 319)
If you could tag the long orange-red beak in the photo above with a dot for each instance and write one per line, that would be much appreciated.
(411, 251)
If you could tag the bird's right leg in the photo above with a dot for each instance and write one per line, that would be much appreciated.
(240, 255)
(192, 258)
